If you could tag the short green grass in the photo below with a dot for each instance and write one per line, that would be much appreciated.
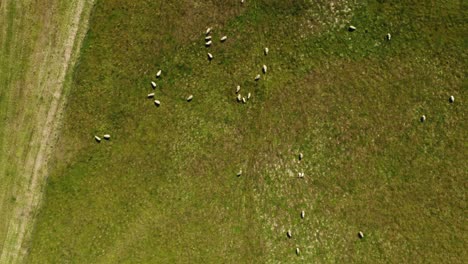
(164, 188)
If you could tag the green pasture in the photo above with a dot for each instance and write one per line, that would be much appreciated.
(164, 188)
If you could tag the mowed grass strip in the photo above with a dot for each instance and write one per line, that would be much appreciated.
(36, 44)
(164, 188)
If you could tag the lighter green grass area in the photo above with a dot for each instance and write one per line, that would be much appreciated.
(164, 188)
(37, 41)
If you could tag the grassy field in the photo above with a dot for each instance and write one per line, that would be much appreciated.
(38, 42)
(164, 188)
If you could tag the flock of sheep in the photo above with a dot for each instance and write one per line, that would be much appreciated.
(208, 43)
(240, 98)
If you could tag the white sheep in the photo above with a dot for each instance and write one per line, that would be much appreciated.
(239, 98)
(98, 139)
(451, 99)
(208, 31)
(300, 175)
(158, 74)
(298, 251)
(210, 56)
(244, 100)
(289, 234)
(208, 43)
(352, 28)
(361, 235)
(423, 118)
(239, 173)
(223, 38)
(207, 38)
(266, 51)
(189, 98)
(153, 84)
(302, 214)
(249, 95)
(388, 37)
(106, 136)
(151, 95)
(237, 89)
(301, 156)
(264, 69)
(257, 77)
(157, 102)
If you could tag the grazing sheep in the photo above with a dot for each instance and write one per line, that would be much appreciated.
(210, 56)
(239, 173)
(289, 234)
(151, 95)
(266, 51)
(351, 28)
(207, 38)
(298, 251)
(388, 37)
(257, 77)
(153, 84)
(239, 98)
(361, 235)
(242, 1)
(451, 99)
(244, 100)
(423, 118)
(237, 89)
(301, 156)
(264, 69)
(301, 175)
(249, 95)
(98, 139)
(189, 98)
(106, 136)
(302, 214)
(157, 103)
(208, 31)
(207, 44)
(223, 38)
(158, 74)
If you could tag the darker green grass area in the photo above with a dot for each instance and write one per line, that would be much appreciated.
(164, 188)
